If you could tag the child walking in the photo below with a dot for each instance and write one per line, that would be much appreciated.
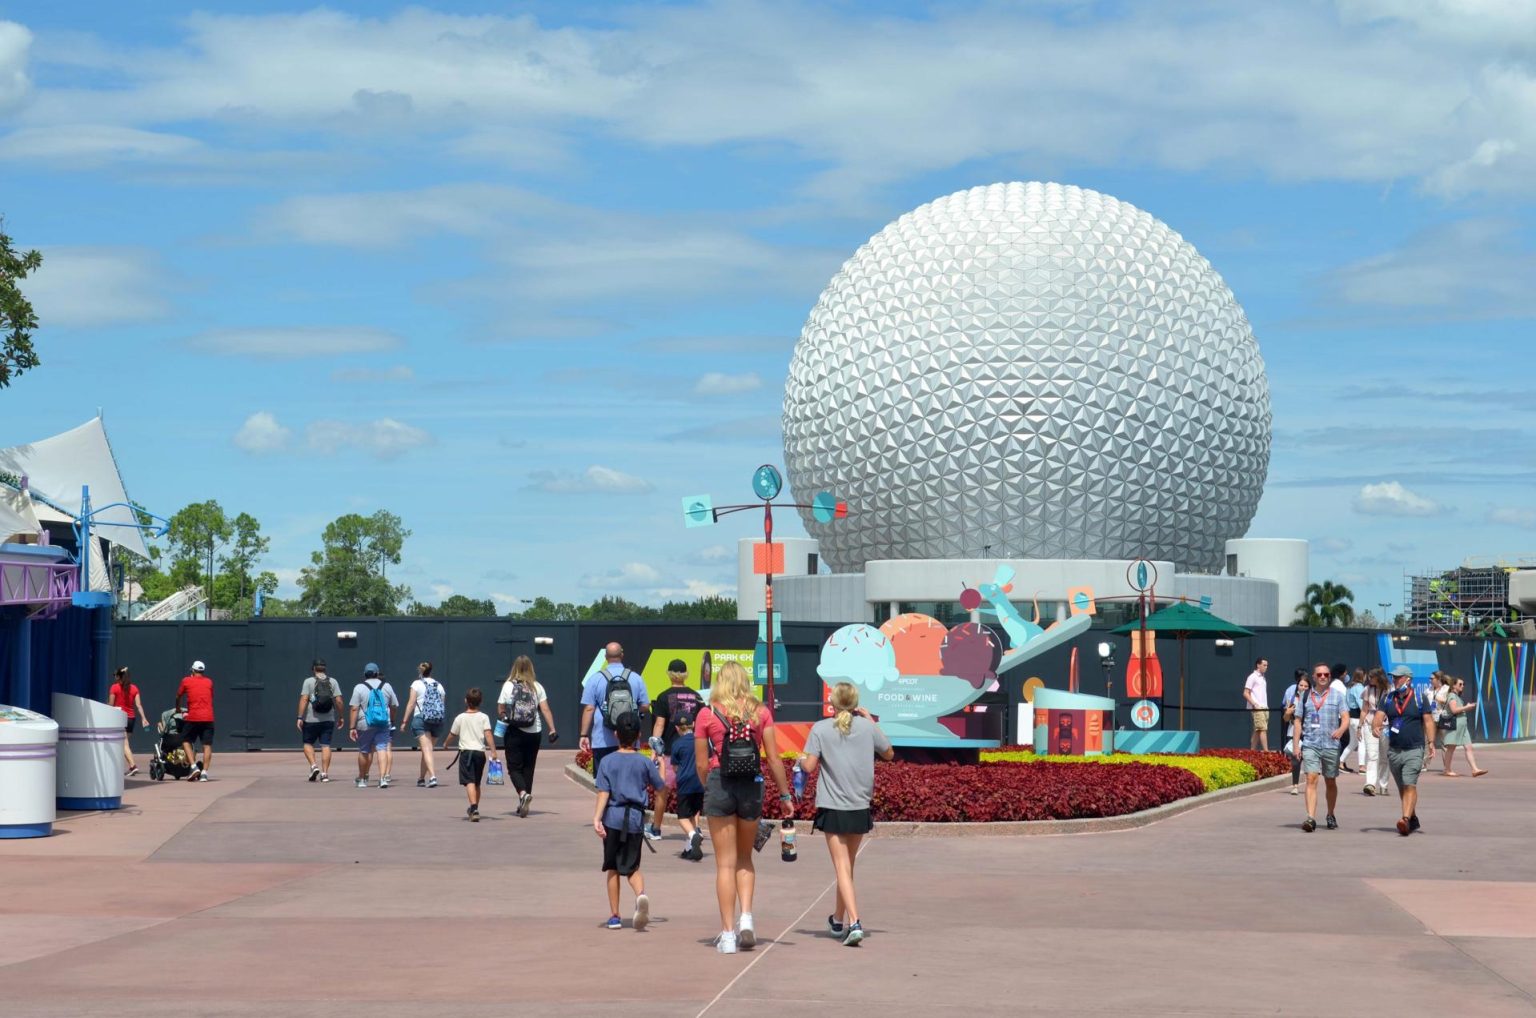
(622, 779)
(472, 731)
(690, 794)
(844, 747)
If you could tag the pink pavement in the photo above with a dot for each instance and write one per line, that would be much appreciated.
(260, 894)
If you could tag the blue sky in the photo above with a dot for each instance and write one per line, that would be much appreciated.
(526, 274)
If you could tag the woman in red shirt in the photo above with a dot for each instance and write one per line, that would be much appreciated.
(733, 793)
(124, 695)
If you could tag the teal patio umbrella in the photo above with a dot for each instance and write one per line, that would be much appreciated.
(1184, 620)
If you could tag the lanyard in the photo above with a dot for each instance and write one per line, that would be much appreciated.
(1317, 704)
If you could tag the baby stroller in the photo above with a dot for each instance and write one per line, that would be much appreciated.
(171, 753)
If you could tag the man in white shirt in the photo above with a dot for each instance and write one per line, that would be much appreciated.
(1256, 695)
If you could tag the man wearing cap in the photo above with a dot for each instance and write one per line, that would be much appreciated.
(195, 695)
(1321, 718)
(373, 739)
(319, 717)
(676, 701)
(1410, 723)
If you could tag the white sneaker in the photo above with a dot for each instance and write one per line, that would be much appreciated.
(642, 912)
(726, 942)
(324, 776)
(745, 934)
(203, 776)
(362, 782)
(384, 781)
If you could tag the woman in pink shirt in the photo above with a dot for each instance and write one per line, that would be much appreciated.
(730, 739)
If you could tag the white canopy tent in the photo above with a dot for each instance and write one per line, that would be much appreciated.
(55, 470)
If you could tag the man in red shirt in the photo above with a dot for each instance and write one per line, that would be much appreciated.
(196, 694)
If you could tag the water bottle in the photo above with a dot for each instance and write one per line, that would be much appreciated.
(764, 832)
(797, 779)
(787, 841)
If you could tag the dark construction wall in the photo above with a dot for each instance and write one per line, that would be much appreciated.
(258, 666)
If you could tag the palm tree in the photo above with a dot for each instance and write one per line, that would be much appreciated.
(1327, 605)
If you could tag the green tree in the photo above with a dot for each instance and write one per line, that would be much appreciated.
(197, 532)
(248, 548)
(1327, 605)
(456, 606)
(545, 610)
(716, 609)
(348, 576)
(17, 319)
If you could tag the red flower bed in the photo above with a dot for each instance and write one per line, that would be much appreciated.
(1268, 764)
(987, 793)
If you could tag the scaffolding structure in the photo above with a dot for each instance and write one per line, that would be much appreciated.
(1471, 599)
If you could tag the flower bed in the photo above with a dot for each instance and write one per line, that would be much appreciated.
(1006, 790)
(1267, 763)
(1215, 772)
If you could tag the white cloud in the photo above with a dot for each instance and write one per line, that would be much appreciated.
(593, 479)
(262, 433)
(694, 589)
(441, 590)
(1333, 545)
(715, 383)
(1392, 499)
(385, 438)
(290, 342)
(15, 43)
(85, 287)
(79, 146)
(629, 576)
(1512, 516)
(1438, 91)
(398, 373)
(1475, 267)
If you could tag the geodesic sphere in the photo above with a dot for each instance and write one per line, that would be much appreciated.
(1034, 369)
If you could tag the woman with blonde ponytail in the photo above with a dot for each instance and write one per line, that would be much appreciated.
(843, 747)
(731, 739)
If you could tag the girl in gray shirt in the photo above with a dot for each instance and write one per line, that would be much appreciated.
(843, 748)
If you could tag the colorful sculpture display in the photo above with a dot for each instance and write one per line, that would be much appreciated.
(914, 670)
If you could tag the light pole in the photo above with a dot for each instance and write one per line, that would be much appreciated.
(1107, 660)
(767, 482)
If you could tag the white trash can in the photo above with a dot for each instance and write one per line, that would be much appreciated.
(91, 737)
(28, 762)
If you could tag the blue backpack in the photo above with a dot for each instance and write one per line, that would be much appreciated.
(376, 714)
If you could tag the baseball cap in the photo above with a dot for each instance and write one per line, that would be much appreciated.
(198, 666)
(1401, 671)
(677, 665)
(370, 669)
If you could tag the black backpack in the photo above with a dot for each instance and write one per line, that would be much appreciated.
(738, 754)
(321, 701)
(619, 702)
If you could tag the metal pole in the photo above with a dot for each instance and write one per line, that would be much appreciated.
(85, 537)
(768, 598)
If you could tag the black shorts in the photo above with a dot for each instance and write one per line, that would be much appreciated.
(129, 729)
(843, 821)
(622, 856)
(737, 797)
(689, 804)
(197, 731)
(318, 731)
(471, 766)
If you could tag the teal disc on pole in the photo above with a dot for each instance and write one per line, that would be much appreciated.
(824, 507)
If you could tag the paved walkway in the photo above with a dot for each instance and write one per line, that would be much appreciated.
(259, 894)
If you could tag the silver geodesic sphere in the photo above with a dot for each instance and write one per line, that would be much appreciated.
(1034, 368)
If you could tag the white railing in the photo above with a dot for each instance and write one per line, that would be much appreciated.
(179, 603)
